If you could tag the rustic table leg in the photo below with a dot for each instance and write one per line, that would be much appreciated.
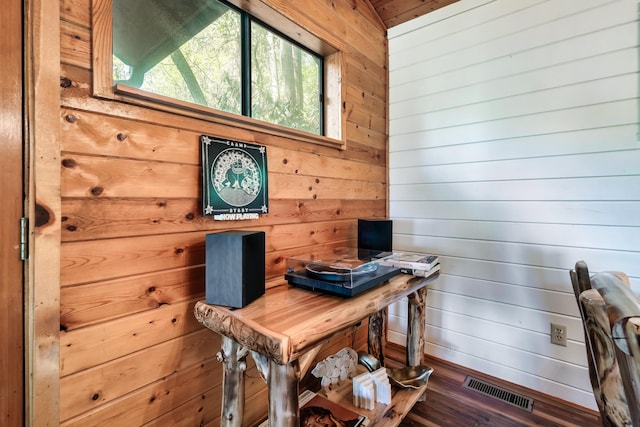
(377, 330)
(283, 394)
(233, 357)
(415, 327)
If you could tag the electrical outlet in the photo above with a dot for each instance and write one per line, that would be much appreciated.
(558, 334)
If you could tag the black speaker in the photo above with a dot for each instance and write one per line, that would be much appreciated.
(235, 263)
(374, 235)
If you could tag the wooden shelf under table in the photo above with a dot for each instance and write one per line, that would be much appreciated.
(391, 415)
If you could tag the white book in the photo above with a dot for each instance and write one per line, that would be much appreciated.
(421, 273)
(417, 261)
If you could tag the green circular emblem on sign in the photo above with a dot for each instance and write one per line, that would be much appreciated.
(236, 177)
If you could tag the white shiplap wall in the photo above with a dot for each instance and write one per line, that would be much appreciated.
(514, 153)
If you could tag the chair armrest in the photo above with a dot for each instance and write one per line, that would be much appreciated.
(622, 302)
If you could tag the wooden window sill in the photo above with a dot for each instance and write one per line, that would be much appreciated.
(137, 96)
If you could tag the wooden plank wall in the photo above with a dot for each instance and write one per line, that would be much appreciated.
(11, 193)
(514, 153)
(132, 247)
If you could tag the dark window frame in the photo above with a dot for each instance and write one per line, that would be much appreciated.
(246, 21)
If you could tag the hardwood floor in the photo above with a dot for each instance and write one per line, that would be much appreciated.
(448, 403)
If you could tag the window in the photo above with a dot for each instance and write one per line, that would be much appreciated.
(211, 54)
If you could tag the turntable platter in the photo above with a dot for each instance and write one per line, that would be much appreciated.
(339, 273)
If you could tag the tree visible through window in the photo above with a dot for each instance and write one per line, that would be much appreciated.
(192, 50)
(285, 82)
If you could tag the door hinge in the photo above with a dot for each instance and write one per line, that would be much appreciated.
(24, 238)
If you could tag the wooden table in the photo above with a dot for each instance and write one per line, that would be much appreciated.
(284, 331)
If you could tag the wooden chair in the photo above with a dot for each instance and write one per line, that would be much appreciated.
(611, 317)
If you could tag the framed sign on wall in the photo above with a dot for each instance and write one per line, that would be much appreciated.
(234, 179)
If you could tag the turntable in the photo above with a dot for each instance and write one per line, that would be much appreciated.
(342, 271)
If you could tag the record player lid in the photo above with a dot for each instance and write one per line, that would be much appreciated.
(337, 270)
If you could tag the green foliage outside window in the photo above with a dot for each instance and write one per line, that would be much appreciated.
(192, 50)
(285, 82)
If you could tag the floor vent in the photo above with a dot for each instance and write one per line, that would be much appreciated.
(499, 393)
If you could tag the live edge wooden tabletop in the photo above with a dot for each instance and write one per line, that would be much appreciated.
(287, 321)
